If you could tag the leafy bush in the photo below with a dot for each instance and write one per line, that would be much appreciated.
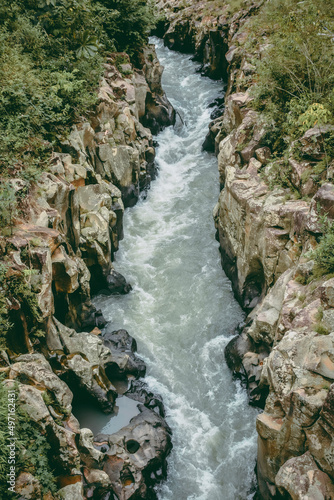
(51, 60)
(32, 448)
(7, 206)
(128, 23)
(295, 73)
(321, 329)
(324, 254)
(15, 286)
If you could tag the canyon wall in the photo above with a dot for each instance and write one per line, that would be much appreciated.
(60, 250)
(285, 351)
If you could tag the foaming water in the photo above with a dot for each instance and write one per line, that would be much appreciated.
(181, 310)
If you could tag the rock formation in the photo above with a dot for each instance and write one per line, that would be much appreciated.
(285, 353)
(63, 245)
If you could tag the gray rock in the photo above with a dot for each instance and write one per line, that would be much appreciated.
(301, 479)
(117, 284)
(71, 492)
(136, 456)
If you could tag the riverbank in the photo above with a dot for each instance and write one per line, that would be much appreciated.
(269, 238)
(58, 251)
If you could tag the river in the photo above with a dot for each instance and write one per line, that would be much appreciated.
(182, 311)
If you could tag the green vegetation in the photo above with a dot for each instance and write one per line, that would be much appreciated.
(16, 288)
(51, 60)
(324, 254)
(32, 448)
(321, 329)
(295, 75)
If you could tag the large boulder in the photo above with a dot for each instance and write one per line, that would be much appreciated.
(135, 456)
(301, 479)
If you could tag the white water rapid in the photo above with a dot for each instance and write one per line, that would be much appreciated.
(182, 311)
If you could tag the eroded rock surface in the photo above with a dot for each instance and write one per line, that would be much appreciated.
(284, 353)
(63, 247)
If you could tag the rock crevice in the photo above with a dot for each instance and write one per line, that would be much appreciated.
(284, 353)
(65, 245)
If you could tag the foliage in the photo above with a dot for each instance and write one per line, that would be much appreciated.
(3, 436)
(34, 453)
(295, 73)
(51, 60)
(321, 329)
(316, 114)
(32, 448)
(5, 323)
(15, 286)
(128, 24)
(323, 255)
(7, 206)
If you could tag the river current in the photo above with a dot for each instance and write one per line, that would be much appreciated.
(182, 311)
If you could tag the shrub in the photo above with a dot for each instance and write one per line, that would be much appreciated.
(295, 74)
(32, 448)
(321, 329)
(15, 286)
(7, 206)
(324, 254)
(51, 55)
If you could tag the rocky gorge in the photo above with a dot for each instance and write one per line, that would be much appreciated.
(60, 251)
(267, 232)
(270, 216)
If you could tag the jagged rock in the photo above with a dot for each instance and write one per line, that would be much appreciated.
(267, 313)
(30, 398)
(98, 483)
(124, 362)
(84, 361)
(159, 113)
(215, 128)
(245, 359)
(324, 199)
(36, 369)
(71, 492)
(119, 340)
(97, 220)
(301, 479)
(153, 69)
(89, 455)
(141, 89)
(320, 437)
(312, 142)
(263, 155)
(92, 363)
(117, 284)
(61, 206)
(256, 230)
(296, 397)
(139, 391)
(64, 272)
(298, 172)
(122, 165)
(327, 292)
(28, 487)
(135, 456)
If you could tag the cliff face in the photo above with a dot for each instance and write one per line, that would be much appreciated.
(64, 247)
(285, 353)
